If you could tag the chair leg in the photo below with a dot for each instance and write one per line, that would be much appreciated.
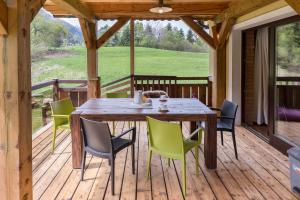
(234, 145)
(112, 176)
(197, 159)
(169, 162)
(129, 124)
(149, 163)
(83, 164)
(133, 160)
(53, 138)
(183, 171)
(222, 138)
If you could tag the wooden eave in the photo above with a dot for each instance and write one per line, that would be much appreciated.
(138, 9)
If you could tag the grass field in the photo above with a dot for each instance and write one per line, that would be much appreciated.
(114, 63)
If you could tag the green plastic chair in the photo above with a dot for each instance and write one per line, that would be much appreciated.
(61, 111)
(117, 95)
(166, 139)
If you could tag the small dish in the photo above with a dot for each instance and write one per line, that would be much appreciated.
(163, 100)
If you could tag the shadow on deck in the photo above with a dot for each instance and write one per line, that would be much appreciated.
(260, 173)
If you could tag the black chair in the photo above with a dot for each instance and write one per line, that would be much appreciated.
(226, 121)
(98, 141)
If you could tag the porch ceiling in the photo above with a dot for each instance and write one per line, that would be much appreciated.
(139, 9)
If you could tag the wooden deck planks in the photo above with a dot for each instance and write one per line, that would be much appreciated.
(250, 177)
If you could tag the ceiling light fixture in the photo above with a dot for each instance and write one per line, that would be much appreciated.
(161, 8)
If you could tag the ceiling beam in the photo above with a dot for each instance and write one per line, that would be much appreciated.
(76, 8)
(3, 18)
(295, 4)
(140, 10)
(239, 8)
(111, 31)
(199, 30)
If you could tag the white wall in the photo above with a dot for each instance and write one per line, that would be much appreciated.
(235, 50)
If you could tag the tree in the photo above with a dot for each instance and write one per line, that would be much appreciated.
(138, 33)
(181, 33)
(125, 38)
(169, 27)
(190, 36)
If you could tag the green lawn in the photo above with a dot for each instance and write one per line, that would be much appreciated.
(114, 63)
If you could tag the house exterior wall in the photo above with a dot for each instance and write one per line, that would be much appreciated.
(273, 12)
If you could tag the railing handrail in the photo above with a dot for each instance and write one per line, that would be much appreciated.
(49, 83)
(288, 78)
(116, 81)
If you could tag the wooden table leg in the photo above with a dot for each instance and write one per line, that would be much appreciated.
(76, 140)
(210, 141)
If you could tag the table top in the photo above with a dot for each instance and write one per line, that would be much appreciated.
(180, 109)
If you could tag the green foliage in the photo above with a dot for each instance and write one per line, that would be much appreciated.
(288, 45)
(125, 38)
(47, 33)
(190, 36)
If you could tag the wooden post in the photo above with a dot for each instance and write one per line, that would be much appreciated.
(132, 57)
(15, 104)
(55, 90)
(92, 62)
(219, 76)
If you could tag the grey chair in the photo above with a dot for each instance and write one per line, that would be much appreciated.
(226, 121)
(98, 141)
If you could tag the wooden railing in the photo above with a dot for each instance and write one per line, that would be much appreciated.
(176, 87)
(288, 92)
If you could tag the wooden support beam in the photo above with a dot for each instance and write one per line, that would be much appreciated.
(295, 4)
(15, 104)
(111, 31)
(219, 76)
(3, 18)
(225, 31)
(89, 30)
(76, 8)
(239, 8)
(35, 7)
(202, 33)
(132, 57)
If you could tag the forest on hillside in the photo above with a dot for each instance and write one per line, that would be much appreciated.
(49, 32)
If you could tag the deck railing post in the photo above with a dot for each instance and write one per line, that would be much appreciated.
(55, 89)
(209, 91)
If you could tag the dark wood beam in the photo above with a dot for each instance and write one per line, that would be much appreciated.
(295, 4)
(76, 8)
(35, 7)
(239, 8)
(199, 30)
(111, 31)
(3, 18)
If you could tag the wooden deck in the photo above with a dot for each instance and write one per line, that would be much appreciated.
(260, 173)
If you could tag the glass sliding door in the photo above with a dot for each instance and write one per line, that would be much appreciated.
(287, 82)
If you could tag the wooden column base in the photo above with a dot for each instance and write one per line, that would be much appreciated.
(94, 88)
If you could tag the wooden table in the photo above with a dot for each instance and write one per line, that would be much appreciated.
(122, 110)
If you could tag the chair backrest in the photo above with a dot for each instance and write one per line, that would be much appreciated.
(117, 95)
(62, 107)
(165, 137)
(154, 93)
(229, 109)
(96, 135)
